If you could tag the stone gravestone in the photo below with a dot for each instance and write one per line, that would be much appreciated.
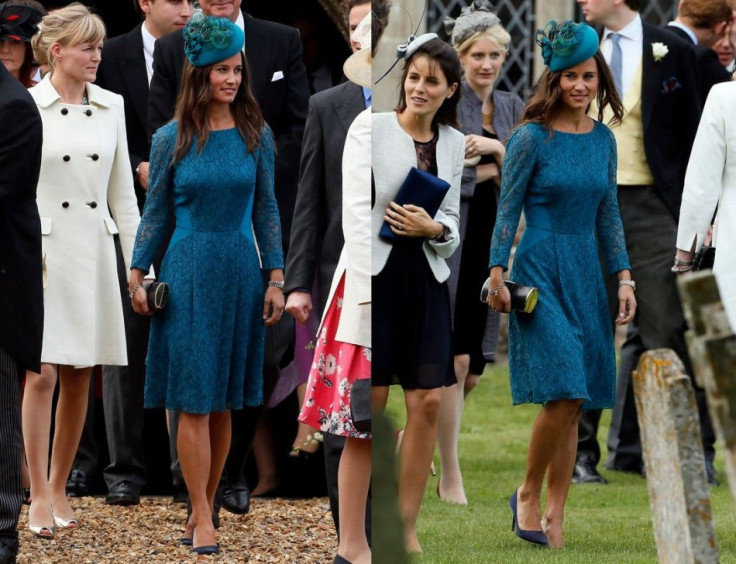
(673, 455)
(712, 347)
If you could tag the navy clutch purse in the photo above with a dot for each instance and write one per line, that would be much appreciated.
(422, 189)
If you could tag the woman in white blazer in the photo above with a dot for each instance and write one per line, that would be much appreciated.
(411, 307)
(710, 182)
(84, 170)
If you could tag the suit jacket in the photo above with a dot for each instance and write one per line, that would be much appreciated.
(671, 109)
(316, 236)
(21, 292)
(123, 71)
(279, 83)
(710, 69)
(711, 182)
(394, 155)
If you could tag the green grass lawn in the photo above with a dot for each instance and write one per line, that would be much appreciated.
(603, 524)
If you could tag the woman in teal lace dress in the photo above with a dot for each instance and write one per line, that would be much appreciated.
(560, 167)
(213, 164)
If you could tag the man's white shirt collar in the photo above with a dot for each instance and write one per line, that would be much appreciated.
(148, 42)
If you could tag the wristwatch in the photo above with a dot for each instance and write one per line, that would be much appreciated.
(276, 284)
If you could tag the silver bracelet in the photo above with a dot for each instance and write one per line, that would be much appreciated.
(276, 284)
(627, 283)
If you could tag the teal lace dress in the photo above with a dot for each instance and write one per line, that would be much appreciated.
(566, 186)
(205, 352)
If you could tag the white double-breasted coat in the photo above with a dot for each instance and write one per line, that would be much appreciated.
(84, 169)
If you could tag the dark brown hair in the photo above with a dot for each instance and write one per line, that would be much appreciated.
(442, 55)
(379, 21)
(633, 4)
(26, 69)
(544, 102)
(193, 101)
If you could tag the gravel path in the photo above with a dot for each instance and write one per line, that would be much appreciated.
(276, 530)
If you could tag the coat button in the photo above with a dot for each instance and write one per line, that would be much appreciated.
(88, 112)
(92, 204)
(64, 111)
(67, 158)
(94, 156)
(64, 204)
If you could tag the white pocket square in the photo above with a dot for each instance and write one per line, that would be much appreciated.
(278, 75)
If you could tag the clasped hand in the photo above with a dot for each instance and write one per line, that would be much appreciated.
(476, 145)
(411, 221)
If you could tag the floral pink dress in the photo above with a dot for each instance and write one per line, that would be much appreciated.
(335, 367)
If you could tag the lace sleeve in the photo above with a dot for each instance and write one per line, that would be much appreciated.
(608, 221)
(519, 165)
(158, 206)
(266, 222)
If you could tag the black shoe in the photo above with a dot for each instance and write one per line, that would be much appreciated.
(340, 560)
(237, 500)
(710, 470)
(79, 484)
(180, 493)
(123, 493)
(7, 556)
(586, 473)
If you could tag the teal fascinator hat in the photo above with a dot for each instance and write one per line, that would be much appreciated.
(208, 40)
(566, 44)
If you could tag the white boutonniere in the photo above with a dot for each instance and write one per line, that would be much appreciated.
(659, 51)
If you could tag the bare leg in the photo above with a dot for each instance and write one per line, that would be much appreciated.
(301, 441)
(36, 415)
(193, 445)
(417, 448)
(450, 486)
(354, 478)
(559, 475)
(470, 383)
(265, 457)
(549, 434)
(71, 410)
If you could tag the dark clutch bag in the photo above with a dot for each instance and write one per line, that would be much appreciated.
(523, 298)
(157, 294)
(421, 189)
(705, 258)
(360, 405)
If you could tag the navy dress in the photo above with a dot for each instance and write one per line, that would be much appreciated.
(566, 185)
(206, 347)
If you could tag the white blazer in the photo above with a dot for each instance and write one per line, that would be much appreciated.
(711, 181)
(84, 169)
(355, 258)
(393, 157)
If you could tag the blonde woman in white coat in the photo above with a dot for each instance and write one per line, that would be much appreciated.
(710, 182)
(411, 307)
(84, 169)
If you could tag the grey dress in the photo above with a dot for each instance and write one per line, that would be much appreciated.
(475, 327)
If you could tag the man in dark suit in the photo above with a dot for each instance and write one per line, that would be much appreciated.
(21, 292)
(126, 69)
(279, 82)
(316, 236)
(701, 23)
(655, 72)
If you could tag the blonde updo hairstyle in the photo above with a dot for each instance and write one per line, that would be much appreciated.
(496, 33)
(71, 25)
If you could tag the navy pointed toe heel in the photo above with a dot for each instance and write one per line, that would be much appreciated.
(534, 537)
(207, 550)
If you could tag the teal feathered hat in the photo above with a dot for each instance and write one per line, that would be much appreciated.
(566, 44)
(208, 40)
